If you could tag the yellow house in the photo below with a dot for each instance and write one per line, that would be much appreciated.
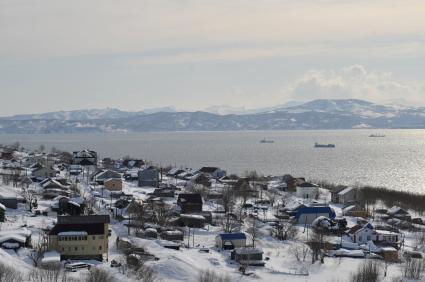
(80, 237)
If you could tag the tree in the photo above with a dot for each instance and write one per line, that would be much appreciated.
(253, 230)
(316, 244)
(30, 197)
(36, 253)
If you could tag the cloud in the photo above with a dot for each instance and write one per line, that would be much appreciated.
(57, 28)
(355, 81)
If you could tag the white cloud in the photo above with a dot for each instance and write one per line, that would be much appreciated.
(357, 82)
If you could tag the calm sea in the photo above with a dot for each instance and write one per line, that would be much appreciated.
(396, 161)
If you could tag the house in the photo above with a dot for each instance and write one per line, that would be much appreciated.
(133, 163)
(70, 206)
(2, 212)
(113, 184)
(356, 211)
(344, 195)
(163, 193)
(306, 190)
(9, 202)
(307, 214)
(362, 234)
(131, 174)
(230, 241)
(43, 171)
(174, 172)
(149, 177)
(84, 158)
(15, 239)
(75, 169)
(101, 175)
(214, 172)
(190, 203)
(248, 256)
(80, 237)
(192, 220)
(399, 213)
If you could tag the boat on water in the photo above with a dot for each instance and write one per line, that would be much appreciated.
(317, 145)
(377, 135)
(266, 141)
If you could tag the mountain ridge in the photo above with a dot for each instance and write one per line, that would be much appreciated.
(316, 114)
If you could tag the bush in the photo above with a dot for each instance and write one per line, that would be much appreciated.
(368, 271)
(99, 275)
(211, 276)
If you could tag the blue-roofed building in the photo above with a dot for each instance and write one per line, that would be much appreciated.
(229, 241)
(306, 215)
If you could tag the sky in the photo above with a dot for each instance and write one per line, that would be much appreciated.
(193, 54)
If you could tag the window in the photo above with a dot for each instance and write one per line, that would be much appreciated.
(93, 237)
(100, 248)
(368, 237)
(76, 248)
(360, 238)
(85, 238)
(63, 249)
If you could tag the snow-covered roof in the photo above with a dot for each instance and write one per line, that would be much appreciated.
(73, 233)
(346, 190)
(248, 251)
(14, 237)
(50, 257)
(2, 207)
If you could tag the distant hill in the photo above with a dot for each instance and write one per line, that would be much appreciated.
(317, 114)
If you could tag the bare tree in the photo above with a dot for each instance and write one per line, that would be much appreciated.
(163, 214)
(299, 251)
(145, 273)
(98, 275)
(253, 230)
(369, 271)
(30, 197)
(286, 230)
(9, 274)
(36, 253)
(212, 276)
(413, 269)
(316, 243)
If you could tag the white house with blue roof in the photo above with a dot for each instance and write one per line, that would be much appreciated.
(230, 241)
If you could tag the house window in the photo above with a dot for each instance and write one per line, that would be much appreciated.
(63, 249)
(368, 238)
(76, 248)
(360, 238)
(100, 248)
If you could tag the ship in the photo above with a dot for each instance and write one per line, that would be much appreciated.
(377, 135)
(317, 145)
(266, 141)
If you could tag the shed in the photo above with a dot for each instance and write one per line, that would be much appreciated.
(172, 235)
(248, 256)
(229, 241)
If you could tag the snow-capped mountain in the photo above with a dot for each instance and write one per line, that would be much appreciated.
(317, 114)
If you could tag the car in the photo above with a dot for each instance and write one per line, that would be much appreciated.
(204, 250)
